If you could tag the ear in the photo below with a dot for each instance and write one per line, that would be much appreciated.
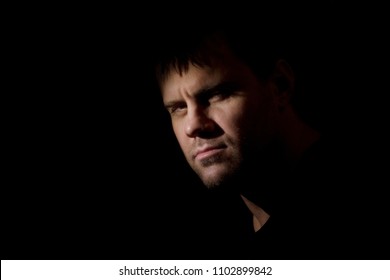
(283, 80)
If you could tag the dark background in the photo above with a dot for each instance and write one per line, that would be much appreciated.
(92, 168)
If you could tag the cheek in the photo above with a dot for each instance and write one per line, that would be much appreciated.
(236, 119)
(180, 135)
(249, 121)
(263, 122)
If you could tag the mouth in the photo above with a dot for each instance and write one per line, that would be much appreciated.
(208, 152)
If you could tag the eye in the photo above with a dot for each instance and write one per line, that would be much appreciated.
(212, 97)
(219, 95)
(221, 92)
(177, 108)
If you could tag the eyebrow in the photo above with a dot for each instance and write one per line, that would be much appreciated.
(223, 86)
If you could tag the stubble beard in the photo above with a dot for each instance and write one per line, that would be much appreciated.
(238, 167)
(207, 162)
(231, 167)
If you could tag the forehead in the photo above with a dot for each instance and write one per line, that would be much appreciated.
(222, 67)
(191, 80)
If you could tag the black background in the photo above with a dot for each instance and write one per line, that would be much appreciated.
(93, 170)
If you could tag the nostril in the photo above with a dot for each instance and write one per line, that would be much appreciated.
(199, 126)
(208, 126)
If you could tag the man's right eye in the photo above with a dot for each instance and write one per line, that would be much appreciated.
(177, 108)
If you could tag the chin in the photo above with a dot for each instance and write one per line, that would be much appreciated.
(212, 181)
(213, 184)
(216, 174)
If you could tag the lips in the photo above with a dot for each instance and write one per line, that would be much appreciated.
(207, 151)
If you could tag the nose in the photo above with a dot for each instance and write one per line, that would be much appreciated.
(198, 123)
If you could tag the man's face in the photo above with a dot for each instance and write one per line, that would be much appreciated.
(221, 115)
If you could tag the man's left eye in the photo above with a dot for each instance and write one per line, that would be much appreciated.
(219, 95)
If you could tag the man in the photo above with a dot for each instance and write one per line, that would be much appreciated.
(231, 96)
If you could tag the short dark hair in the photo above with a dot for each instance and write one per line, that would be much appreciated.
(255, 46)
(258, 44)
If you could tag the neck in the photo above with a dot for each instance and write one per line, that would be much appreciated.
(260, 217)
